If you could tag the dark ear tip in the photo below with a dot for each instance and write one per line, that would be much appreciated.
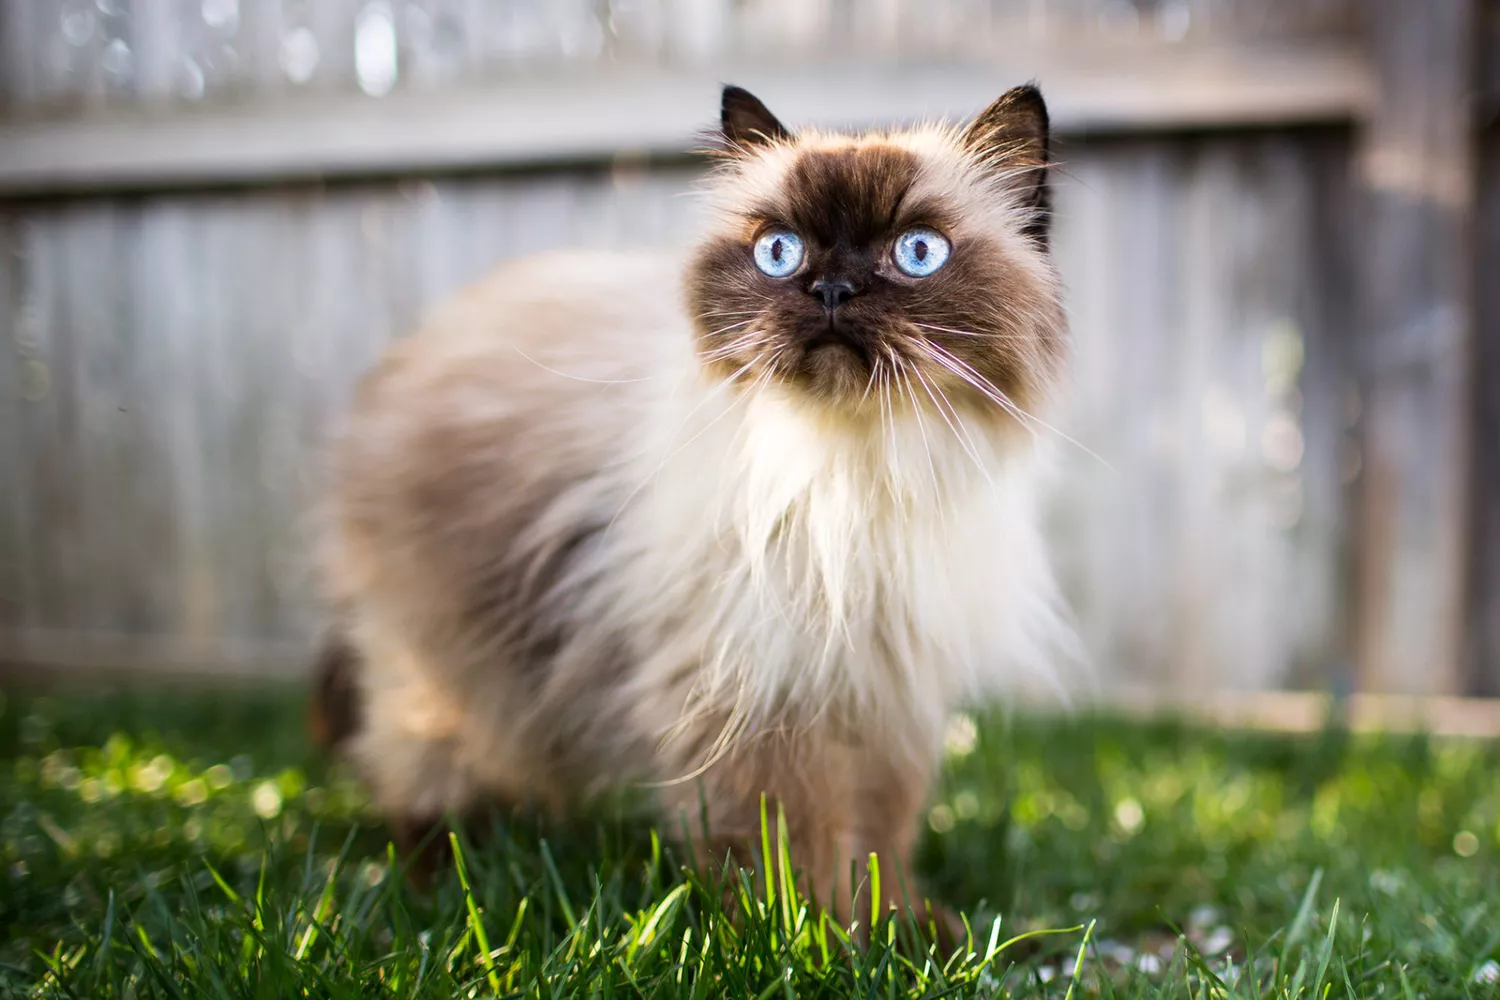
(745, 121)
(735, 97)
(1029, 95)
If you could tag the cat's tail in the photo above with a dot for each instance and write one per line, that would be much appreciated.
(334, 713)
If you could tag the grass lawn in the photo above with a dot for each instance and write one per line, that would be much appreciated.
(183, 842)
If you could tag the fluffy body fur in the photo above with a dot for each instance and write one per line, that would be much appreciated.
(609, 520)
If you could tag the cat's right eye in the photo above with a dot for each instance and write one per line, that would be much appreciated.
(778, 252)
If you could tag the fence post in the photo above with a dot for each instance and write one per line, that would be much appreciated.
(1484, 646)
(1416, 167)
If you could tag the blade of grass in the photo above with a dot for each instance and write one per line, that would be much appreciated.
(787, 878)
(1303, 920)
(557, 886)
(766, 856)
(325, 900)
(644, 942)
(476, 925)
(1327, 951)
(1078, 962)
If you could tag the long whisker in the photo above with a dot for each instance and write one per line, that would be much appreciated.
(965, 440)
(728, 312)
(968, 333)
(926, 443)
(874, 374)
(888, 410)
(1003, 401)
(768, 370)
(732, 326)
(582, 378)
(951, 363)
(987, 387)
(750, 338)
(752, 342)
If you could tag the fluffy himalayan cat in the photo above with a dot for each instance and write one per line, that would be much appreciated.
(752, 524)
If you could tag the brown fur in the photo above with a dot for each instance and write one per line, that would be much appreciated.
(517, 625)
(333, 711)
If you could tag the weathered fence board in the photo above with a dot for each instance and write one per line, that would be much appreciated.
(593, 116)
(1483, 661)
(75, 54)
(1416, 163)
(14, 364)
(1203, 557)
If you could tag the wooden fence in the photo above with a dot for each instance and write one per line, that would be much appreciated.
(1279, 224)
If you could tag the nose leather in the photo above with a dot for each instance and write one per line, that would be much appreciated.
(833, 293)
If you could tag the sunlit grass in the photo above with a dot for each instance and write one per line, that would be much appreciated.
(159, 842)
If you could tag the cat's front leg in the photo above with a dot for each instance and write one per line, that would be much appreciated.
(894, 789)
(801, 781)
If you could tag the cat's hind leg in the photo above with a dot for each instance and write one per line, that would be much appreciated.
(426, 752)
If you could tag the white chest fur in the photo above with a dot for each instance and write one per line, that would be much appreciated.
(804, 566)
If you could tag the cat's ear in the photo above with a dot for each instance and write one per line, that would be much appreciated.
(1013, 136)
(746, 122)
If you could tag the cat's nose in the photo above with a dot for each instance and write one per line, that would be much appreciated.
(833, 293)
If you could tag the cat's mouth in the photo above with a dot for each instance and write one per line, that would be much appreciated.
(833, 340)
(834, 365)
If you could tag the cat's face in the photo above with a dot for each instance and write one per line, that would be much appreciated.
(907, 268)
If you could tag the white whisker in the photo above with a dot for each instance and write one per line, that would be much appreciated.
(926, 443)
(748, 339)
(732, 326)
(968, 333)
(965, 440)
(582, 378)
(874, 373)
(997, 395)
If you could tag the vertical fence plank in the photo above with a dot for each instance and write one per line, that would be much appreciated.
(1326, 307)
(1206, 393)
(240, 394)
(95, 324)
(1416, 163)
(1484, 650)
(166, 477)
(1281, 508)
(15, 41)
(47, 472)
(1114, 239)
(1238, 431)
(12, 387)
(158, 29)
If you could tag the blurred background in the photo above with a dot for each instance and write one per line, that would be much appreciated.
(1278, 222)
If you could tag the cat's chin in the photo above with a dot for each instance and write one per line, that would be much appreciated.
(834, 372)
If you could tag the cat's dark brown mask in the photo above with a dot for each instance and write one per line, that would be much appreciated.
(907, 267)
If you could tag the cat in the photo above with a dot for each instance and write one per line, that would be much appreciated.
(753, 524)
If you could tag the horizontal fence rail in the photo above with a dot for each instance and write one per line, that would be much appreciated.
(70, 55)
(580, 118)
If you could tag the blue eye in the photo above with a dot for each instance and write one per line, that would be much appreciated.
(778, 252)
(920, 252)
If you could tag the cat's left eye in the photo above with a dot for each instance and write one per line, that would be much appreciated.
(778, 252)
(920, 252)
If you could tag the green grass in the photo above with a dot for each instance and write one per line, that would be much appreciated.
(188, 843)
